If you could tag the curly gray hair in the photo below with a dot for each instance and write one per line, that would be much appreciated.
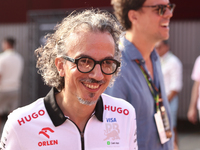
(90, 20)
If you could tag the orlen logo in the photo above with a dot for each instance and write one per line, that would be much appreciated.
(118, 109)
(30, 117)
(45, 132)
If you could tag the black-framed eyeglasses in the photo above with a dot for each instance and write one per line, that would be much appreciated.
(162, 8)
(86, 64)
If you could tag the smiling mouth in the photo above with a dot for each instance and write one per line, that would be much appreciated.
(166, 25)
(93, 87)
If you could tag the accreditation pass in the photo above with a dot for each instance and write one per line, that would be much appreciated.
(160, 127)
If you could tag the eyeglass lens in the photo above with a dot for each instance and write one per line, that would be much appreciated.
(163, 8)
(107, 66)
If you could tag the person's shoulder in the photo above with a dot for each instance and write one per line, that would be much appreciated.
(198, 59)
(2, 55)
(26, 113)
(18, 56)
(174, 59)
(28, 108)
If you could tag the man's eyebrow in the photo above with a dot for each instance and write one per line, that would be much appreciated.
(109, 57)
(82, 55)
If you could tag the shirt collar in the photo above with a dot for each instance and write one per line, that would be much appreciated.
(56, 114)
(132, 51)
(9, 51)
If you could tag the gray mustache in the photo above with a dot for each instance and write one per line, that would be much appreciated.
(92, 81)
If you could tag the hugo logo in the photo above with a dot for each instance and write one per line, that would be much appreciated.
(44, 131)
(118, 109)
(30, 117)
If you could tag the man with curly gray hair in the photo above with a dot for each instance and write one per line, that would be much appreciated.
(78, 61)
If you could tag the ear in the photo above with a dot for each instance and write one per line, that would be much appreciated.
(60, 66)
(133, 16)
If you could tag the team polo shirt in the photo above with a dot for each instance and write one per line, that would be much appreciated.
(43, 126)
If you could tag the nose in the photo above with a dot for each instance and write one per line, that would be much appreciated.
(96, 73)
(168, 13)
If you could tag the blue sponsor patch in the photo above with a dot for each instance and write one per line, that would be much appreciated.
(111, 119)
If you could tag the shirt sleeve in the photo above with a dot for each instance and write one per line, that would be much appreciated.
(196, 70)
(176, 76)
(9, 140)
(1, 65)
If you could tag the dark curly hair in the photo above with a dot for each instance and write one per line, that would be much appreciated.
(89, 20)
(121, 9)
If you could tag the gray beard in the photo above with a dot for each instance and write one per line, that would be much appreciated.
(87, 102)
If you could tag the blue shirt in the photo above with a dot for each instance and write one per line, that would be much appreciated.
(131, 85)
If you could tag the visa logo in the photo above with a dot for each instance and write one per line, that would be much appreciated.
(111, 120)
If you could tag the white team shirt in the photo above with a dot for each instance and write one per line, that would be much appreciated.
(42, 125)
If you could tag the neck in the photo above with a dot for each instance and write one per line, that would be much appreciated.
(9, 49)
(145, 46)
(77, 112)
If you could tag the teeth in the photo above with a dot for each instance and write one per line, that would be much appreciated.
(165, 24)
(92, 86)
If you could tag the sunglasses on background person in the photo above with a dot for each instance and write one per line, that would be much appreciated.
(162, 8)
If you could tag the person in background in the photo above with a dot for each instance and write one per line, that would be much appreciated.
(146, 22)
(11, 69)
(78, 61)
(172, 72)
(194, 108)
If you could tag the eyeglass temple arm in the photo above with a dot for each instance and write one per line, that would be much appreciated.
(68, 58)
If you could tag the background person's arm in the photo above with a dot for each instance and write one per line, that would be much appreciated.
(171, 95)
(192, 112)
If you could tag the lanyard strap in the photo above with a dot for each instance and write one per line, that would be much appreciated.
(154, 90)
